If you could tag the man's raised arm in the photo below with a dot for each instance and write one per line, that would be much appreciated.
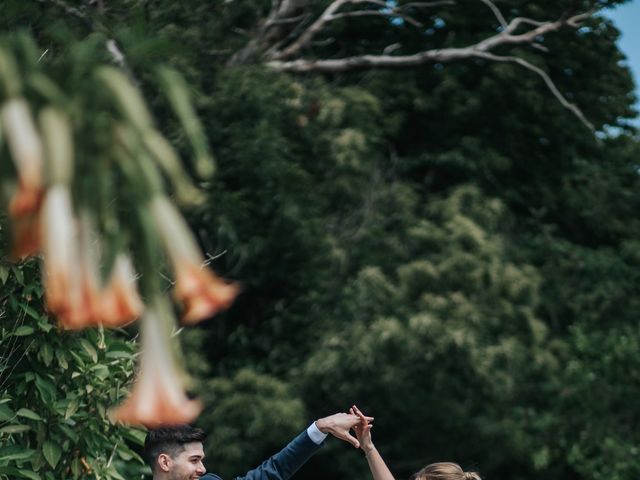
(288, 461)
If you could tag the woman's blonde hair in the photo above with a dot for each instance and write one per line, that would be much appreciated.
(444, 471)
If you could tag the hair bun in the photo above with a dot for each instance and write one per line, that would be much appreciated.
(471, 476)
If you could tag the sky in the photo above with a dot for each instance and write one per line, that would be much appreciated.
(627, 19)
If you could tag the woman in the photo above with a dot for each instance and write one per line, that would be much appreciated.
(380, 471)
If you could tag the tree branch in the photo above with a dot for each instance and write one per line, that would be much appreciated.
(482, 49)
(111, 45)
(547, 80)
(271, 30)
(315, 28)
(496, 11)
(378, 13)
(331, 14)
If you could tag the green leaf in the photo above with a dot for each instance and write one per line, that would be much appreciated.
(44, 325)
(46, 353)
(76, 469)
(69, 432)
(30, 474)
(18, 274)
(23, 331)
(101, 371)
(62, 359)
(135, 435)
(89, 349)
(30, 414)
(116, 354)
(5, 413)
(51, 452)
(72, 408)
(4, 274)
(47, 390)
(15, 453)
(17, 428)
(30, 311)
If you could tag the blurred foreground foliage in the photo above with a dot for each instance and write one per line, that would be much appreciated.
(56, 389)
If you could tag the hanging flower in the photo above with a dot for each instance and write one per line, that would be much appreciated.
(86, 293)
(84, 302)
(26, 151)
(120, 302)
(71, 292)
(158, 397)
(61, 272)
(25, 231)
(201, 292)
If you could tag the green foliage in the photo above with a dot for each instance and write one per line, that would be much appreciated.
(445, 245)
(250, 417)
(56, 390)
(454, 327)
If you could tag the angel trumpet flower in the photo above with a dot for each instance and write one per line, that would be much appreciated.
(71, 283)
(83, 301)
(26, 151)
(26, 235)
(61, 273)
(85, 292)
(157, 397)
(121, 303)
(201, 292)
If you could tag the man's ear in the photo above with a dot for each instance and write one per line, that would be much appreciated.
(164, 462)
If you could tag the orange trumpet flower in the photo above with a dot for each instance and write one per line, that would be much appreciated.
(61, 273)
(120, 302)
(26, 151)
(158, 397)
(25, 231)
(201, 292)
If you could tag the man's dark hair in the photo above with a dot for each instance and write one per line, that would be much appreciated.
(170, 440)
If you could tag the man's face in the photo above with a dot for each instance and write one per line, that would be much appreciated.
(187, 465)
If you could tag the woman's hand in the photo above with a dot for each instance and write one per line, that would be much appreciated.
(363, 430)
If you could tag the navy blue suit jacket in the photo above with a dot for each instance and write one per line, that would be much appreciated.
(283, 464)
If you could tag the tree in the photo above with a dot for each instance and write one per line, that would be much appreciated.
(349, 205)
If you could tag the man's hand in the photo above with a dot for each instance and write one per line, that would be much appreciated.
(339, 425)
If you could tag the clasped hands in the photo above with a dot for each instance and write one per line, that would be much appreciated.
(340, 425)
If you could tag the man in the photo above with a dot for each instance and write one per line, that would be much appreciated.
(176, 453)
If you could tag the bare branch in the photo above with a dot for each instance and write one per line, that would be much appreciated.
(437, 3)
(547, 80)
(283, 21)
(516, 22)
(315, 28)
(371, 61)
(391, 48)
(496, 11)
(482, 49)
(434, 55)
(378, 13)
(331, 14)
(269, 32)
(506, 37)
